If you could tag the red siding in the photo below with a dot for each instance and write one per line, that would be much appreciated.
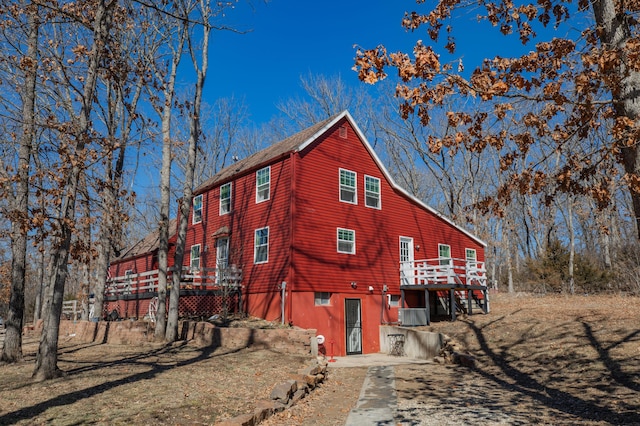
(136, 265)
(247, 216)
(303, 215)
(317, 266)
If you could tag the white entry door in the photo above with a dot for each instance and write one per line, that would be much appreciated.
(407, 268)
(222, 257)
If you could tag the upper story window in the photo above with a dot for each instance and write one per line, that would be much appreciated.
(348, 187)
(195, 257)
(372, 192)
(225, 198)
(263, 183)
(346, 241)
(444, 254)
(261, 248)
(197, 209)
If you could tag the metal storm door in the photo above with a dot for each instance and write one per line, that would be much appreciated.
(222, 257)
(353, 324)
(407, 267)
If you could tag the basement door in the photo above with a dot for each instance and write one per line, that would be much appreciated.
(353, 322)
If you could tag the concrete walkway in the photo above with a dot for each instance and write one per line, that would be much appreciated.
(377, 402)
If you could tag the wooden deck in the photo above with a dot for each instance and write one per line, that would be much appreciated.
(461, 282)
(203, 291)
(192, 280)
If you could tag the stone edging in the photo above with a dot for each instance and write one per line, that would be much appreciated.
(283, 395)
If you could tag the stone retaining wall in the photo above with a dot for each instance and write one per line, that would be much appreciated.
(290, 340)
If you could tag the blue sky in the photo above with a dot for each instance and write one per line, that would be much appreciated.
(292, 38)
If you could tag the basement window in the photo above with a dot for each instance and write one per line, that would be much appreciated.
(322, 298)
(394, 300)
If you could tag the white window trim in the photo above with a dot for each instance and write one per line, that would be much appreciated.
(255, 246)
(338, 240)
(440, 257)
(466, 254)
(220, 212)
(355, 188)
(379, 193)
(268, 168)
(193, 213)
(191, 256)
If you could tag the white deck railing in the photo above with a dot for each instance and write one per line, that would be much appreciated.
(192, 279)
(443, 271)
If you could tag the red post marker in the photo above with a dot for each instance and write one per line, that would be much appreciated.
(331, 342)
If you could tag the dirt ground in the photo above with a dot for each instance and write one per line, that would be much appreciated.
(540, 360)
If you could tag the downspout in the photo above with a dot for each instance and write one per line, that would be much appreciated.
(292, 216)
(384, 307)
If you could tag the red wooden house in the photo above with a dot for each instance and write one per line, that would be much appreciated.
(313, 231)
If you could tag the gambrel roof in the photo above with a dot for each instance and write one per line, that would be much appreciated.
(300, 141)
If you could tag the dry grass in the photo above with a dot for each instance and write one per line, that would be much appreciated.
(541, 360)
(109, 384)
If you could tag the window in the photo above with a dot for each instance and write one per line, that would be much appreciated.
(348, 187)
(322, 298)
(346, 241)
(470, 257)
(261, 248)
(197, 209)
(372, 192)
(444, 254)
(394, 300)
(195, 257)
(225, 198)
(263, 179)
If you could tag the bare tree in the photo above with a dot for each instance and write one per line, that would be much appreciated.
(171, 34)
(19, 215)
(99, 21)
(580, 85)
(198, 49)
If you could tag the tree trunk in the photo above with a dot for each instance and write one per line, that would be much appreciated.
(614, 33)
(40, 283)
(111, 225)
(185, 205)
(572, 244)
(47, 356)
(20, 216)
(165, 189)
